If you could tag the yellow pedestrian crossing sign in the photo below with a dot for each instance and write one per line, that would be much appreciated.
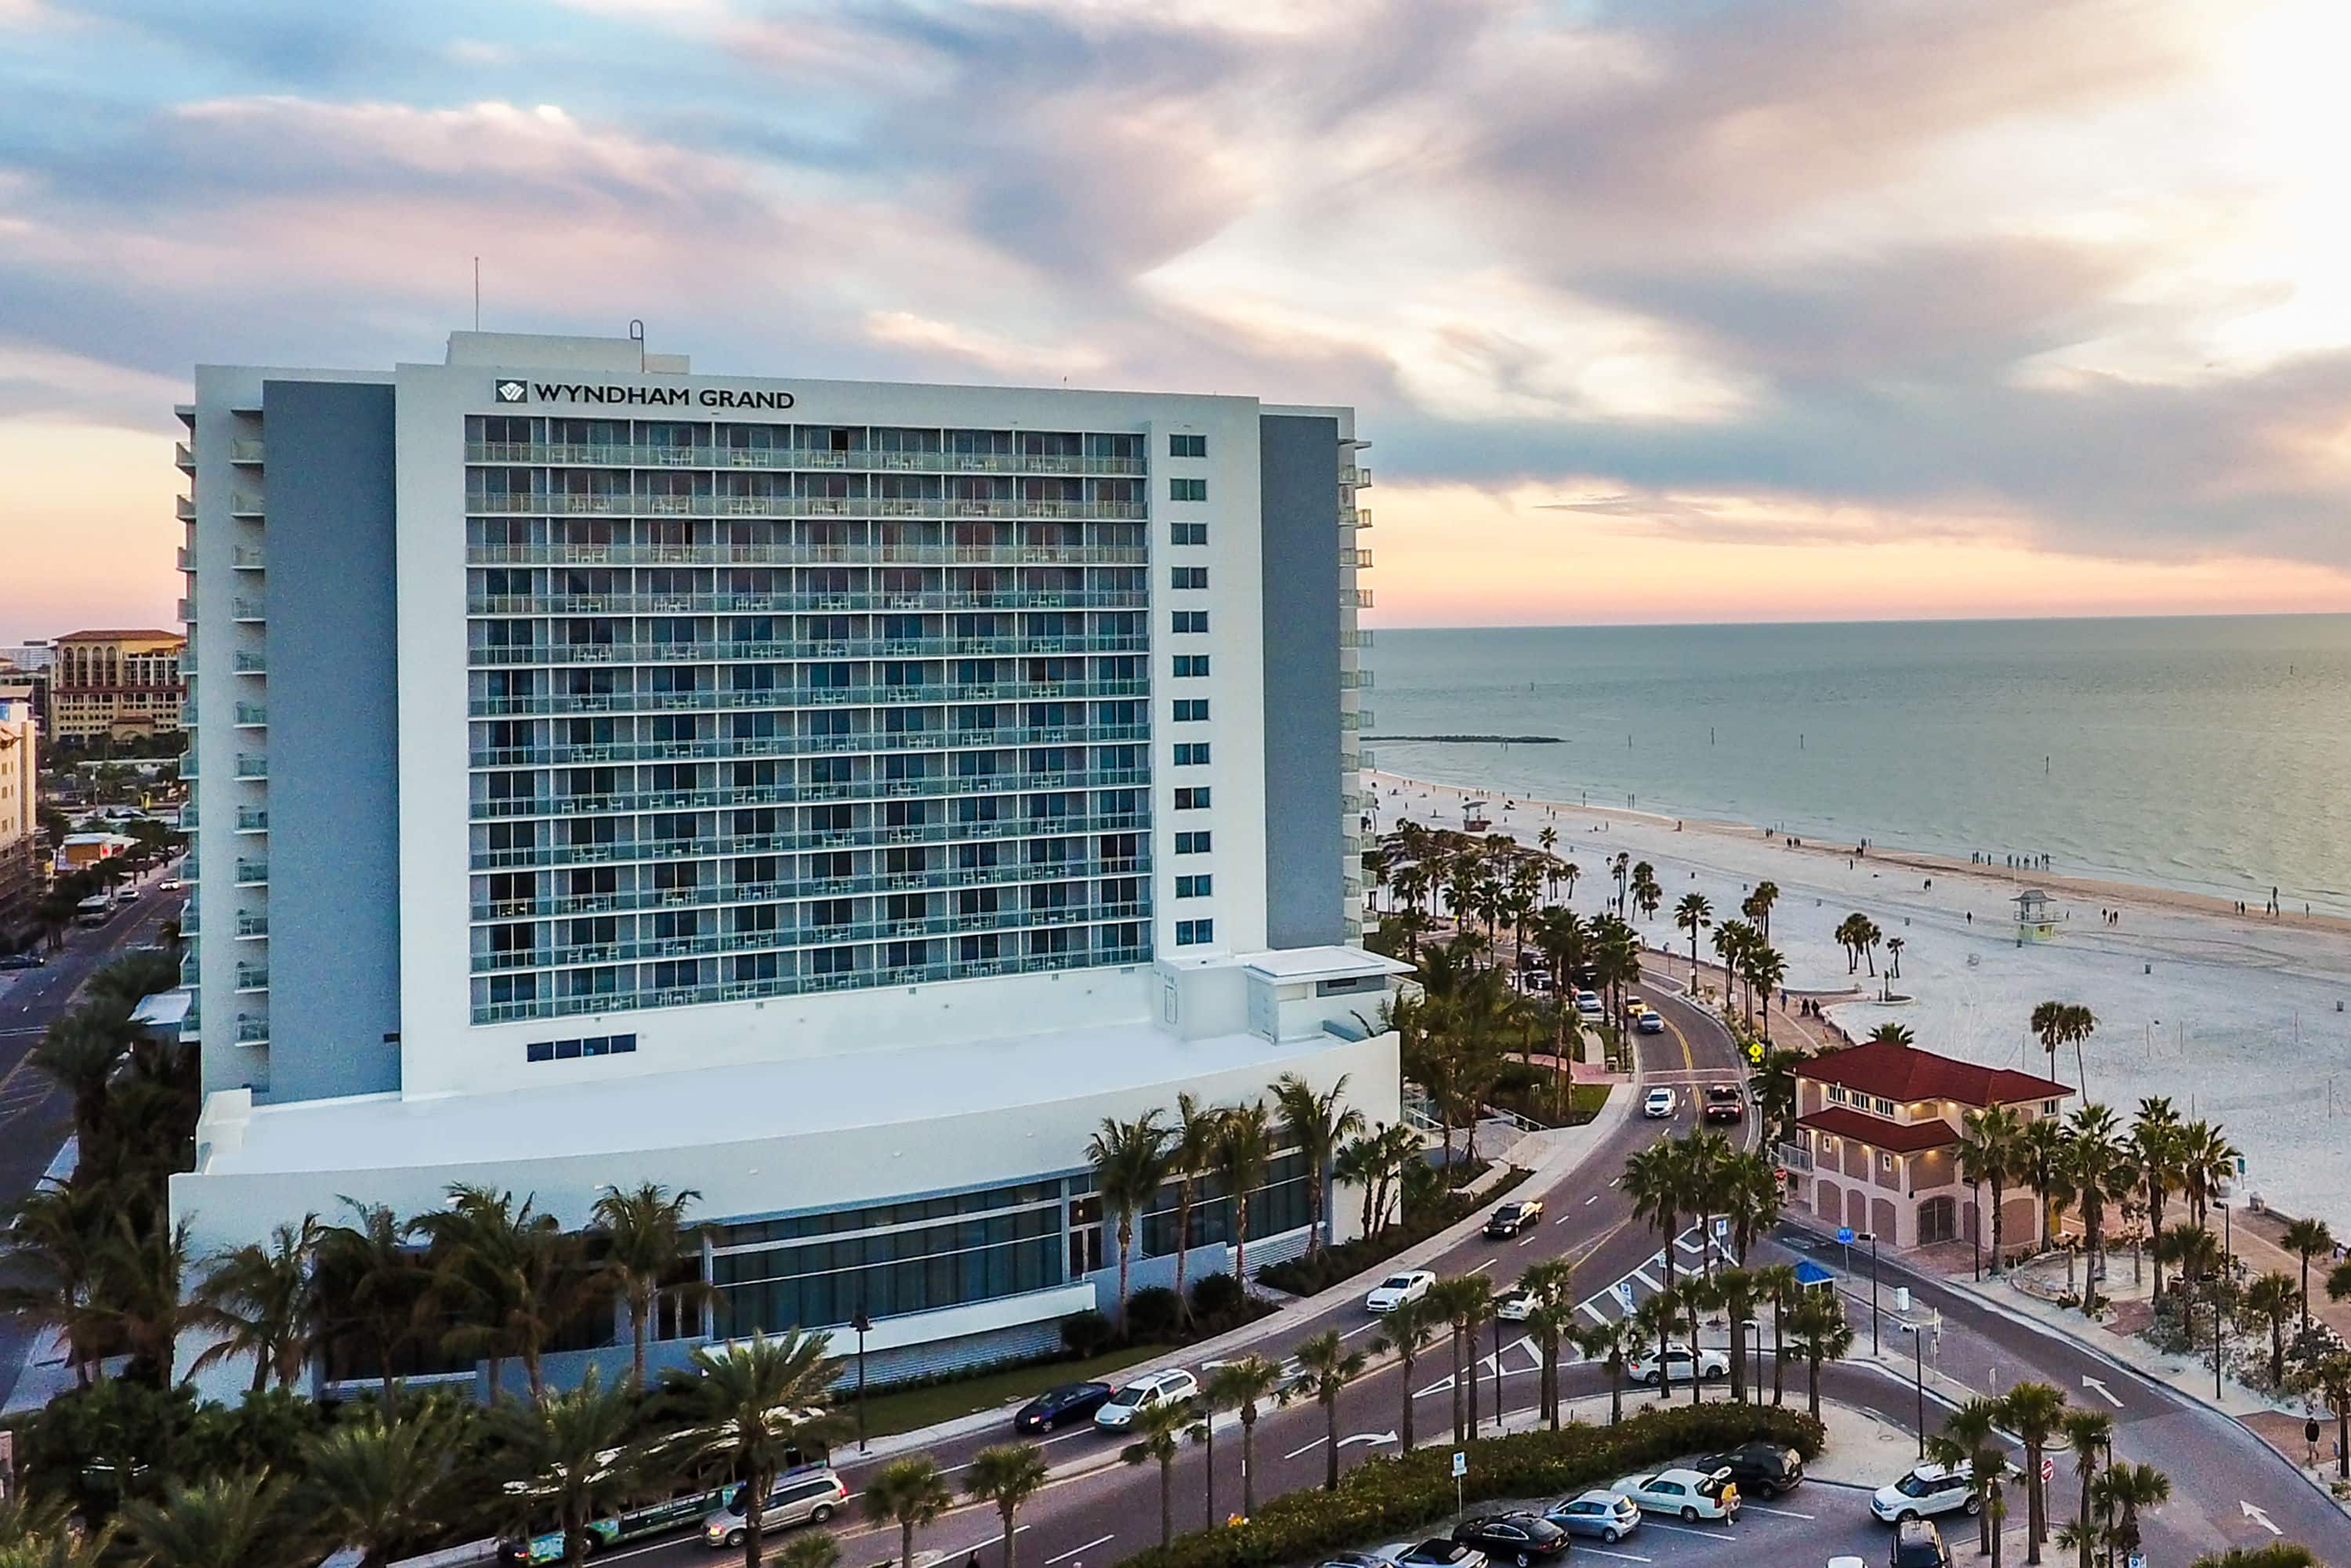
(1754, 1051)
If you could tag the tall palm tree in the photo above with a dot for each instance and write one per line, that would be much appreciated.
(1777, 1284)
(2097, 1173)
(1244, 1151)
(1613, 1344)
(750, 1407)
(382, 1488)
(1893, 946)
(1693, 913)
(153, 1310)
(2036, 1413)
(1328, 1366)
(2123, 1492)
(262, 1294)
(1763, 968)
(1970, 1436)
(1549, 1285)
(1191, 1151)
(1656, 1318)
(1988, 1156)
(1892, 1034)
(2208, 1162)
(1244, 1385)
(2333, 1375)
(1696, 1296)
(1821, 1333)
(1007, 1475)
(569, 1457)
(1316, 1125)
(1736, 1291)
(1130, 1163)
(909, 1492)
(235, 1521)
(2305, 1237)
(1456, 1296)
(1158, 1433)
(512, 1276)
(372, 1289)
(80, 1053)
(2089, 1435)
(2040, 1165)
(646, 1234)
(1654, 1181)
(2272, 1299)
(56, 1249)
(1407, 1329)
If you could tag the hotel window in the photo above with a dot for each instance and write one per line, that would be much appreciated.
(1885, 1162)
(1192, 798)
(1188, 533)
(1188, 446)
(1192, 886)
(1194, 933)
(1187, 577)
(1191, 753)
(1188, 489)
(1191, 710)
(1191, 620)
(1191, 664)
(1883, 1107)
(2049, 1107)
(1192, 843)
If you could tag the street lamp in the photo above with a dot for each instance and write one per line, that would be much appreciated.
(1918, 1333)
(1871, 1236)
(863, 1325)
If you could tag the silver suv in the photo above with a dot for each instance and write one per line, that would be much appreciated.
(804, 1497)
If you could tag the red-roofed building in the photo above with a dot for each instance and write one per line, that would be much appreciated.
(1878, 1136)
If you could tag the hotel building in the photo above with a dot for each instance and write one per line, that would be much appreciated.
(115, 684)
(20, 825)
(837, 798)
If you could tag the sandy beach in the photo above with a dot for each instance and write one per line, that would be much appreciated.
(2241, 1018)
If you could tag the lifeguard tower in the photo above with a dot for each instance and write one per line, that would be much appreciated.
(2036, 917)
(1474, 818)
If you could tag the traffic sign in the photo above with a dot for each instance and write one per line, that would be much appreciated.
(1624, 1293)
(2048, 1468)
(1721, 1225)
(1844, 1234)
(2138, 1559)
(1754, 1052)
(1461, 1467)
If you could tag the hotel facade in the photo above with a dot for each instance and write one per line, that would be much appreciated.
(836, 798)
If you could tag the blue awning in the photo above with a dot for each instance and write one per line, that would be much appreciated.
(1808, 1274)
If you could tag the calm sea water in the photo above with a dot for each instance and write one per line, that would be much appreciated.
(2211, 755)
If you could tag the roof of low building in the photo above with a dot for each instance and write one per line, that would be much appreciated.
(1897, 1138)
(119, 633)
(1907, 1074)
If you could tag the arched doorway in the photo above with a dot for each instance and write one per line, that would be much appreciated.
(1939, 1219)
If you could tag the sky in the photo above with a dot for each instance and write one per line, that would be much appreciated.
(1660, 310)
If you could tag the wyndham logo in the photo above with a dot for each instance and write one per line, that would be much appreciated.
(513, 391)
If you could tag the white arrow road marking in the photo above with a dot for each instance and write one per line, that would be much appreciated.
(1307, 1449)
(1372, 1437)
(2089, 1382)
(2260, 1516)
(1073, 1551)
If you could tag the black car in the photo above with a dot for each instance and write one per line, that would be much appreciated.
(1439, 1552)
(1516, 1537)
(1513, 1217)
(22, 961)
(1724, 1104)
(1761, 1470)
(1918, 1544)
(1071, 1402)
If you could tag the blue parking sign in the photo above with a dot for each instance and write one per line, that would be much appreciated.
(1844, 1234)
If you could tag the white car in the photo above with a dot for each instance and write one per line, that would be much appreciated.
(1679, 1363)
(1587, 1004)
(1660, 1104)
(1692, 1494)
(1929, 1489)
(1174, 1386)
(1397, 1289)
(1514, 1306)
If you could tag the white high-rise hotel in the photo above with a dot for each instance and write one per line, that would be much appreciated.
(837, 798)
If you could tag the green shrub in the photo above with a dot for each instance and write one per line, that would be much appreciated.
(1152, 1313)
(1085, 1333)
(1304, 1276)
(1215, 1296)
(1386, 1497)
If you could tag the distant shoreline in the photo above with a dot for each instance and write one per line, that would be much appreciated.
(1475, 739)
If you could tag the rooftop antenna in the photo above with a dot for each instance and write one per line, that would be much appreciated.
(637, 336)
(478, 294)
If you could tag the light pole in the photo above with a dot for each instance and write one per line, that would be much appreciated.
(1918, 1333)
(1871, 1236)
(863, 1325)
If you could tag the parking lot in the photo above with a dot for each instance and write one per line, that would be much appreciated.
(1818, 1520)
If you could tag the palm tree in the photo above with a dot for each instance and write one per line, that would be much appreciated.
(152, 1309)
(2127, 1490)
(2305, 1236)
(750, 1407)
(1549, 1285)
(1130, 1163)
(2208, 1160)
(1242, 1385)
(1763, 968)
(1970, 1436)
(570, 1455)
(513, 1275)
(377, 1287)
(1316, 1124)
(645, 1234)
(2272, 1298)
(1158, 1432)
(910, 1493)
(1656, 1319)
(1893, 946)
(79, 1053)
(2036, 1413)
(1473, 1309)
(263, 1296)
(2097, 1173)
(235, 1520)
(383, 1487)
(1190, 1151)
(1407, 1329)
(1987, 1155)
(1007, 1475)
(2155, 1149)
(1821, 1334)
(1654, 1181)
(56, 1249)
(2041, 1163)
(1777, 1284)
(1456, 1296)
(1736, 1292)
(1892, 1034)
(1613, 1344)
(1328, 1366)
(2333, 1375)
(1696, 1296)
(1693, 913)
(1244, 1150)
(2089, 1435)
(2276, 1555)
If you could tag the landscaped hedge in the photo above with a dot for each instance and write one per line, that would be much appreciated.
(1384, 1498)
(1304, 1276)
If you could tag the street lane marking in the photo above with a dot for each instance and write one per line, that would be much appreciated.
(1307, 1449)
(1594, 1197)
(1777, 1513)
(1073, 1551)
(1589, 1311)
(1723, 1533)
(1361, 1328)
(1483, 1267)
(1620, 1556)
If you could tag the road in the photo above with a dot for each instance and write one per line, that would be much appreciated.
(34, 1117)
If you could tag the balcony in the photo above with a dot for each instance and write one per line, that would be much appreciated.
(240, 505)
(250, 925)
(182, 458)
(1349, 680)
(247, 610)
(245, 558)
(251, 766)
(1362, 519)
(254, 715)
(190, 925)
(186, 611)
(252, 819)
(252, 1031)
(184, 507)
(1361, 560)
(247, 664)
(253, 874)
(253, 976)
(245, 452)
(183, 559)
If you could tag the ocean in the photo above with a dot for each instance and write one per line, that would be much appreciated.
(2208, 755)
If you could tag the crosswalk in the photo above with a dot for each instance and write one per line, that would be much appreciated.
(1694, 1249)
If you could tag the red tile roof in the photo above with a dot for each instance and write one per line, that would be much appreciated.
(1905, 1074)
(1897, 1138)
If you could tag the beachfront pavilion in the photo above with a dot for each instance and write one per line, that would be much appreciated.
(1878, 1130)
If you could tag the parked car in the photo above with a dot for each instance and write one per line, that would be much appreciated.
(1659, 1103)
(1514, 1305)
(22, 961)
(1513, 1217)
(1610, 1515)
(1917, 1544)
(1354, 1560)
(1681, 1364)
(1409, 1286)
(806, 1497)
(1761, 1470)
(1651, 1022)
(1516, 1538)
(1929, 1489)
(1725, 1103)
(1439, 1552)
(1152, 1388)
(1691, 1495)
(1070, 1402)
(170, 884)
(1587, 1004)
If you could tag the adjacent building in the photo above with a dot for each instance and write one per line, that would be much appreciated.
(116, 684)
(837, 798)
(1878, 1128)
(20, 831)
